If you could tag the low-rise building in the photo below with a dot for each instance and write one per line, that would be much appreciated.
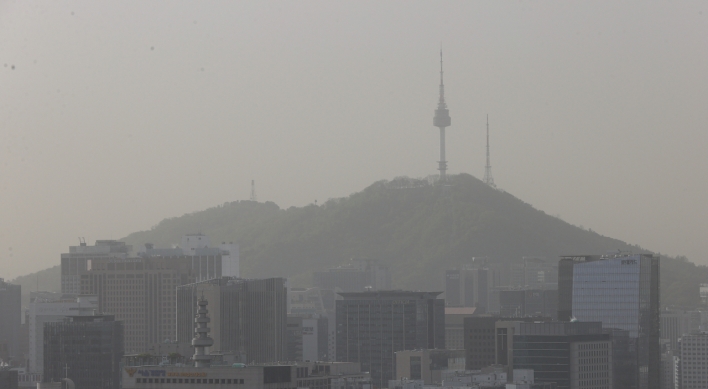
(313, 375)
(428, 365)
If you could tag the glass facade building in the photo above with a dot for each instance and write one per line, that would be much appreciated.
(372, 326)
(573, 355)
(622, 292)
(86, 349)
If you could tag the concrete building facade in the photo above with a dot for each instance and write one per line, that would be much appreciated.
(676, 323)
(140, 292)
(247, 316)
(693, 361)
(455, 326)
(75, 262)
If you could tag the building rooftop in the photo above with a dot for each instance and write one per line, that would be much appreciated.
(460, 310)
(388, 294)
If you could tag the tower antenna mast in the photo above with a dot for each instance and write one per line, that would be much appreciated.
(488, 179)
(442, 120)
(253, 191)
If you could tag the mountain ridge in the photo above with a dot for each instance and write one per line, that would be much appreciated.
(417, 228)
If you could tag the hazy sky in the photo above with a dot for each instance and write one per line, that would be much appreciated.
(115, 115)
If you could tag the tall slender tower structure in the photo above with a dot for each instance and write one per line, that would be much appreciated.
(442, 120)
(202, 341)
(488, 179)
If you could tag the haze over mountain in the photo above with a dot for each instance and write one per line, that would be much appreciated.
(115, 114)
(419, 230)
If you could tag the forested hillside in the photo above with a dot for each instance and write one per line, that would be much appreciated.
(417, 229)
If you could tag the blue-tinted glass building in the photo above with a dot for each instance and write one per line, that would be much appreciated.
(622, 292)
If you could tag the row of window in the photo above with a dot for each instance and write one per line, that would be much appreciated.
(226, 381)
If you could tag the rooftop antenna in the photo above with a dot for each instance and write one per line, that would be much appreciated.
(488, 179)
(253, 191)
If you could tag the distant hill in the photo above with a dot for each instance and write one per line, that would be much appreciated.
(48, 280)
(417, 229)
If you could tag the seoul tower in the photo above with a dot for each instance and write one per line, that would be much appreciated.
(442, 120)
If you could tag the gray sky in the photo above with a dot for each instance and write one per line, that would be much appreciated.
(119, 114)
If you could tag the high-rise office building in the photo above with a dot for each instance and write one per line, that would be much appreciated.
(467, 287)
(307, 338)
(208, 262)
(316, 303)
(675, 323)
(247, 316)
(693, 361)
(74, 263)
(622, 292)
(47, 307)
(139, 288)
(359, 275)
(372, 326)
(140, 292)
(86, 349)
(10, 319)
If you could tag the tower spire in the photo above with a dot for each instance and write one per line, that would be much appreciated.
(488, 179)
(442, 120)
(441, 101)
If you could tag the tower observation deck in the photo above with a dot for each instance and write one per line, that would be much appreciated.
(442, 120)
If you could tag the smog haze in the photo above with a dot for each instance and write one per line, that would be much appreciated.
(116, 115)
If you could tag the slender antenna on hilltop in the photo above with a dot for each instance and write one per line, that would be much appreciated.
(488, 179)
(253, 191)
